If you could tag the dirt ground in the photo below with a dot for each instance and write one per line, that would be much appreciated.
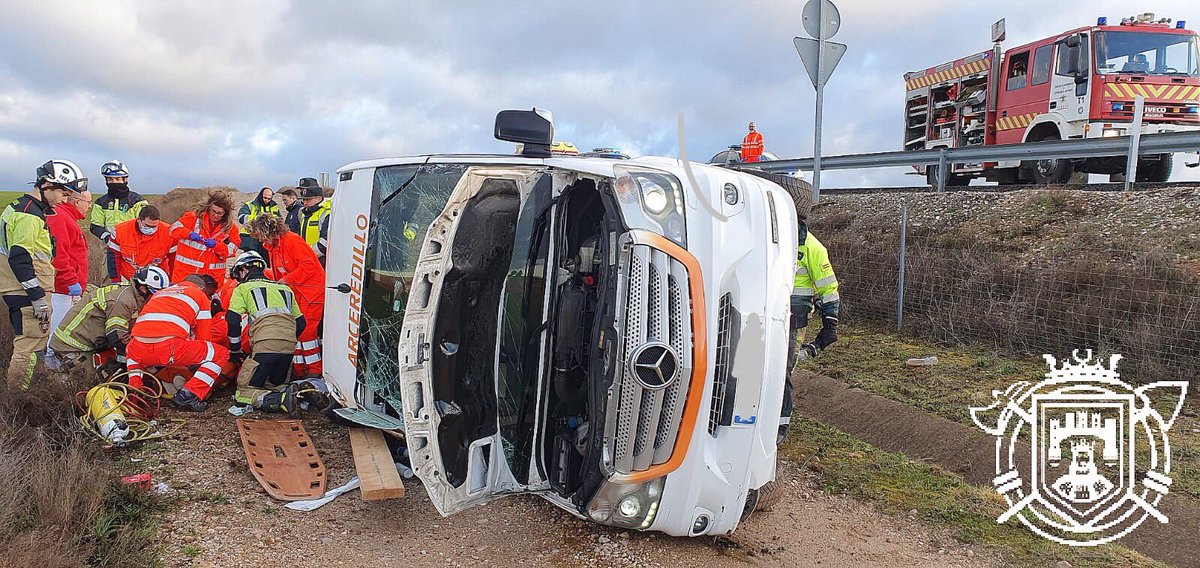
(221, 517)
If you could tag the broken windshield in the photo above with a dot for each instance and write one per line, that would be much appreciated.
(405, 199)
(1143, 53)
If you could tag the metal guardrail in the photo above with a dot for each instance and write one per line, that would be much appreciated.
(1068, 149)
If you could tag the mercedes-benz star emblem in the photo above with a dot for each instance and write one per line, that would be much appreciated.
(655, 365)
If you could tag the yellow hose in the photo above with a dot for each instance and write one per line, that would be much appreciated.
(134, 404)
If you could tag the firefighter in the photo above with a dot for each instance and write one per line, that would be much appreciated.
(99, 324)
(815, 286)
(70, 254)
(169, 331)
(205, 238)
(314, 218)
(294, 263)
(273, 322)
(26, 270)
(752, 145)
(262, 204)
(292, 207)
(118, 205)
(141, 242)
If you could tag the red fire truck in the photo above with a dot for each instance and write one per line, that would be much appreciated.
(1078, 84)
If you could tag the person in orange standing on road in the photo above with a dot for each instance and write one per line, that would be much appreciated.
(173, 330)
(294, 262)
(141, 242)
(206, 238)
(752, 145)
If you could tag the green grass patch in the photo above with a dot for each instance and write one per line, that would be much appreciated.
(873, 359)
(843, 464)
(124, 531)
(7, 197)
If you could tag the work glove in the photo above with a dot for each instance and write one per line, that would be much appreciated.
(237, 357)
(210, 243)
(195, 237)
(75, 290)
(41, 311)
(215, 306)
(828, 334)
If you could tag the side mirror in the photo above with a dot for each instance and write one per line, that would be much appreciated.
(532, 128)
(1073, 41)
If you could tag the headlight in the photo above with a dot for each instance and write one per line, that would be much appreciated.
(628, 506)
(661, 198)
(1110, 132)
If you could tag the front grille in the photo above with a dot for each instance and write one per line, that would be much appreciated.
(1174, 111)
(654, 327)
(721, 369)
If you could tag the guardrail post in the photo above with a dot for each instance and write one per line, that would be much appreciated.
(900, 284)
(942, 173)
(1135, 141)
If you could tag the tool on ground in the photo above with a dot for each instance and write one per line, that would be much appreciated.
(120, 414)
(282, 458)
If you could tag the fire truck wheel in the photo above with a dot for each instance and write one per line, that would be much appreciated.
(954, 180)
(1156, 171)
(1050, 172)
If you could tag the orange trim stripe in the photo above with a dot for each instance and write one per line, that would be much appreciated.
(691, 409)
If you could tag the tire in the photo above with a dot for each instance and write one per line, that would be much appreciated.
(800, 190)
(763, 498)
(953, 180)
(1158, 171)
(1050, 172)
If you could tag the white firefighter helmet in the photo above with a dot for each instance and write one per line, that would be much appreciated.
(64, 173)
(249, 258)
(114, 168)
(152, 277)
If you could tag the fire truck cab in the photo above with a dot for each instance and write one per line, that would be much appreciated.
(1078, 84)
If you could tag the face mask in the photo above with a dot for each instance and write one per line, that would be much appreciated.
(118, 189)
(147, 229)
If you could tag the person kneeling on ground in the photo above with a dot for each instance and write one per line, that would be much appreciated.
(166, 334)
(274, 321)
(99, 324)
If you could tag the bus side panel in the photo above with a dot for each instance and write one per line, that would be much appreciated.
(346, 264)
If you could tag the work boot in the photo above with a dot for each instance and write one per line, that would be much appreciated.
(283, 400)
(312, 394)
(188, 400)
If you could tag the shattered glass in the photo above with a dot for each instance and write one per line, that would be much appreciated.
(523, 303)
(406, 200)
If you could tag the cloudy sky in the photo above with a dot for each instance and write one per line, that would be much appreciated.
(264, 92)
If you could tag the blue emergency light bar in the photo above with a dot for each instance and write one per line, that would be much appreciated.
(1102, 21)
(1180, 25)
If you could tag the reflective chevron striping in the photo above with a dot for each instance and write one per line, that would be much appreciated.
(949, 74)
(1155, 92)
(1018, 121)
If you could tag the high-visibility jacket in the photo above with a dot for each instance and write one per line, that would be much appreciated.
(108, 211)
(814, 273)
(193, 257)
(99, 321)
(752, 147)
(270, 310)
(250, 210)
(294, 263)
(179, 311)
(135, 251)
(314, 225)
(70, 248)
(27, 248)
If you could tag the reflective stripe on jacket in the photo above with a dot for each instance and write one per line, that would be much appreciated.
(814, 273)
(102, 311)
(252, 209)
(135, 251)
(314, 226)
(27, 248)
(193, 257)
(181, 310)
(108, 212)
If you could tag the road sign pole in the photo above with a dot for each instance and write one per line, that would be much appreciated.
(820, 86)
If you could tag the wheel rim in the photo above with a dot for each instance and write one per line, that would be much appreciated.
(1046, 167)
